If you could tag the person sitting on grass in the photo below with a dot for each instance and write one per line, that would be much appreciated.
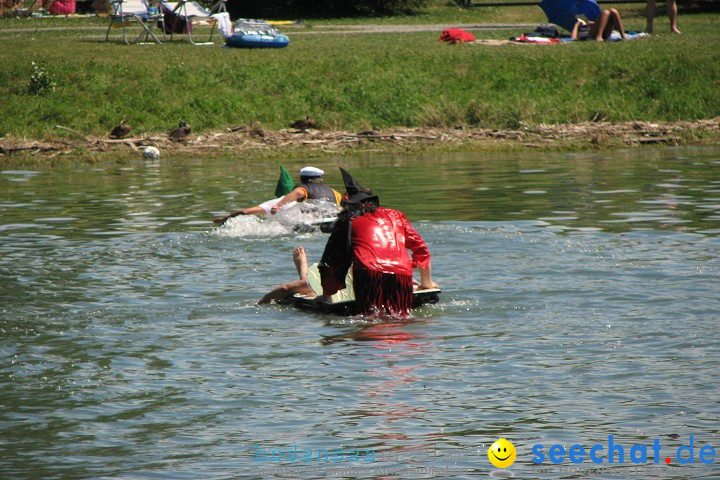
(600, 29)
(599, 23)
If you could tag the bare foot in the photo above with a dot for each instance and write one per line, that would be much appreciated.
(301, 264)
(675, 30)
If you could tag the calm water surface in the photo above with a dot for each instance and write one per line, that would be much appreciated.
(581, 299)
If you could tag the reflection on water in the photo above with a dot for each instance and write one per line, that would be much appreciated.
(580, 300)
(673, 189)
(571, 192)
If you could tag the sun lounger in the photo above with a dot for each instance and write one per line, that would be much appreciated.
(124, 12)
(180, 15)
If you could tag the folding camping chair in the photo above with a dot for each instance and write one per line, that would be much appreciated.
(145, 13)
(186, 11)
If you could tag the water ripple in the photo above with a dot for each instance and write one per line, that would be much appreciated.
(131, 344)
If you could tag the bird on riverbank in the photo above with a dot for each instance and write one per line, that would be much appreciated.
(373, 131)
(121, 131)
(304, 124)
(181, 132)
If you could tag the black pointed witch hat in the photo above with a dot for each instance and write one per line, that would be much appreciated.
(354, 192)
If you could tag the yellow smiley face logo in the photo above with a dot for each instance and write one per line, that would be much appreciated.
(502, 453)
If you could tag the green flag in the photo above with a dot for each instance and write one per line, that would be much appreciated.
(285, 183)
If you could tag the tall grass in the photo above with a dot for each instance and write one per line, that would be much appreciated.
(355, 81)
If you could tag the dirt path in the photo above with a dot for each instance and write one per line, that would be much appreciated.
(249, 140)
(350, 29)
(318, 29)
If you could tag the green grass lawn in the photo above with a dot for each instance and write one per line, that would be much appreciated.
(349, 81)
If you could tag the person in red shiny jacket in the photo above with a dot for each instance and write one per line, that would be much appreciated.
(375, 241)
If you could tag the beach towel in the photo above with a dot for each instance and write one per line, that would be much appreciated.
(62, 7)
(614, 37)
(224, 24)
(531, 39)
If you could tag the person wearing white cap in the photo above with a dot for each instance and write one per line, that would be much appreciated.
(311, 172)
(311, 188)
(285, 185)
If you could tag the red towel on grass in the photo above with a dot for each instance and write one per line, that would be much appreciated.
(62, 7)
(456, 35)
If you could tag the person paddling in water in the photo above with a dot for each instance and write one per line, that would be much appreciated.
(375, 242)
(300, 286)
(311, 188)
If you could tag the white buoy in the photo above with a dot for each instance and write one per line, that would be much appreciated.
(151, 152)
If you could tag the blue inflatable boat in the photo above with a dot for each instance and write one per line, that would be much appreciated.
(256, 34)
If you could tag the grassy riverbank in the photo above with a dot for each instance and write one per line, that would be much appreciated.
(356, 81)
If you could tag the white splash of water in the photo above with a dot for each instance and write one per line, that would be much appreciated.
(300, 218)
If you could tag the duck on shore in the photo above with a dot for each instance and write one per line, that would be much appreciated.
(304, 124)
(121, 131)
(181, 132)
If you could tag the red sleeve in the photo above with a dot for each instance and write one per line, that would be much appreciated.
(414, 242)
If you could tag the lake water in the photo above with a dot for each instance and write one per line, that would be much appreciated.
(581, 300)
